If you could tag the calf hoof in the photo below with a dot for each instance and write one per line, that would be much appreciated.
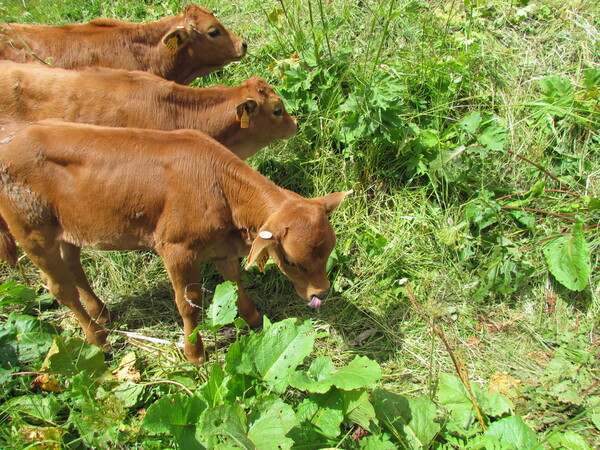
(105, 317)
(254, 320)
(98, 338)
(258, 325)
(194, 354)
(195, 359)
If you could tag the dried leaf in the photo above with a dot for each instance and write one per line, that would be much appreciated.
(504, 384)
(46, 382)
(127, 369)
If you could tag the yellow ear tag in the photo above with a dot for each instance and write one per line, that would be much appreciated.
(245, 120)
(172, 44)
(262, 259)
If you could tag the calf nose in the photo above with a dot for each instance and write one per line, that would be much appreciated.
(245, 46)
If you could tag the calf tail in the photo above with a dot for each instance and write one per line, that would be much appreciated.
(8, 246)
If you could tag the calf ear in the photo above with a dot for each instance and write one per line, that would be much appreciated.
(332, 201)
(246, 110)
(250, 106)
(259, 251)
(176, 39)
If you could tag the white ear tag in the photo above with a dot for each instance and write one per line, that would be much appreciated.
(265, 234)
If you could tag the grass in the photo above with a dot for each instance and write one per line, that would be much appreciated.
(408, 220)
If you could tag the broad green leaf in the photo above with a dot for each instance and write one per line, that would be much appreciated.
(323, 411)
(33, 408)
(358, 408)
(514, 431)
(593, 204)
(455, 397)
(392, 410)
(12, 292)
(214, 390)
(470, 123)
(225, 426)
(377, 442)
(176, 415)
(274, 354)
(568, 440)
(222, 310)
(9, 347)
(34, 336)
(269, 427)
(129, 394)
(568, 258)
(596, 419)
(421, 430)
(493, 137)
(361, 372)
(69, 356)
(430, 138)
(409, 419)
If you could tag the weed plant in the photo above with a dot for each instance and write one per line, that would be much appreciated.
(469, 132)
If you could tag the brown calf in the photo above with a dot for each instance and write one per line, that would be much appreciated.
(121, 98)
(179, 48)
(64, 186)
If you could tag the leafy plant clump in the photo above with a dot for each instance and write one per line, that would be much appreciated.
(268, 391)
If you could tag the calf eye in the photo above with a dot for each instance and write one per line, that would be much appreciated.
(278, 112)
(287, 262)
(214, 33)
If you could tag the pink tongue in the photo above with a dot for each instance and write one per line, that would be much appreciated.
(315, 302)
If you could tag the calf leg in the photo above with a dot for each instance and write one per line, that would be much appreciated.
(183, 265)
(62, 285)
(96, 307)
(230, 271)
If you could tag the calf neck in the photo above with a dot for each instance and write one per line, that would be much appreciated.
(66, 186)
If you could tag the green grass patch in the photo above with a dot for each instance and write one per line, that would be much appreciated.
(469, 132)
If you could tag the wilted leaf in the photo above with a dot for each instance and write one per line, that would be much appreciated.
(568, 258)
(46, 382)
(127, 369)
(504, 384)
(43, 437)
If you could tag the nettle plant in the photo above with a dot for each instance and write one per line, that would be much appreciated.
(558, 214)
(267, 391)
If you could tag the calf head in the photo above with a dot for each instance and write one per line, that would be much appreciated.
(264, 116)
(201, 40)
(299, 238)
